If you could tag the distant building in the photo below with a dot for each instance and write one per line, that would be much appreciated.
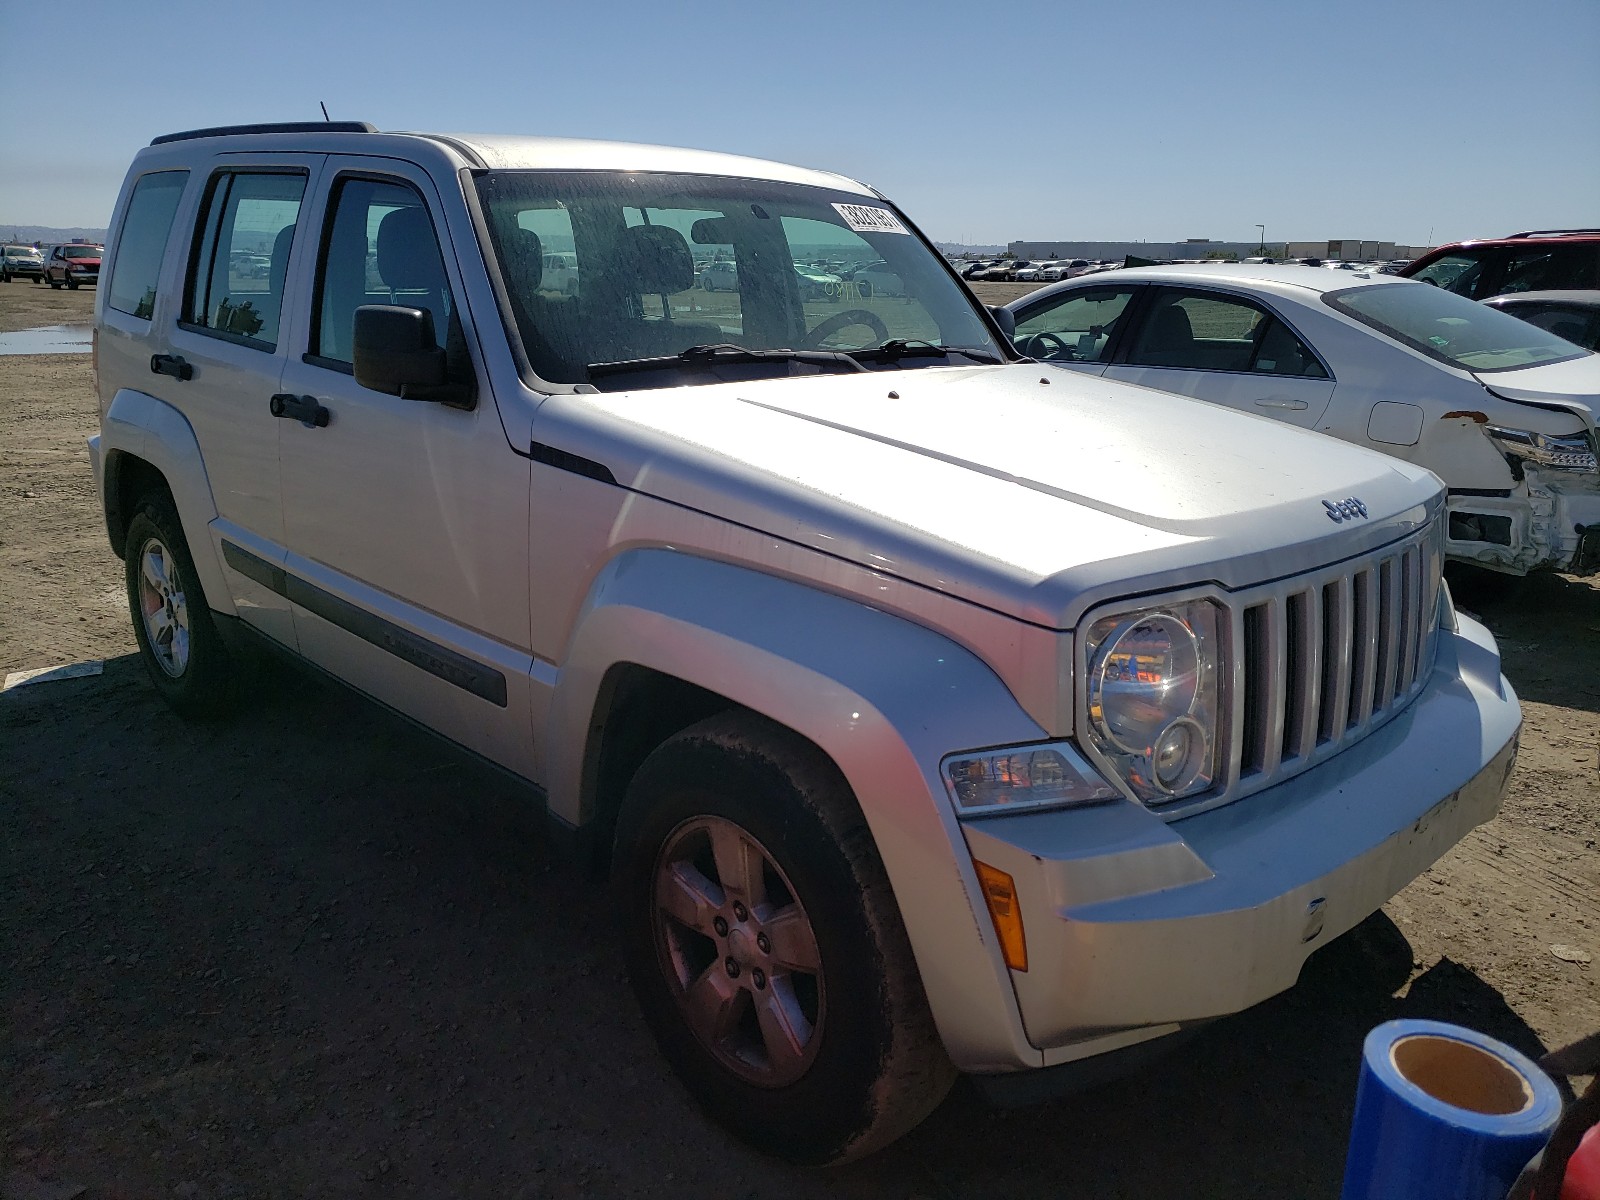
(1353, 250)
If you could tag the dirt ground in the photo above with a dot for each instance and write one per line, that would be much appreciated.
(309, 953)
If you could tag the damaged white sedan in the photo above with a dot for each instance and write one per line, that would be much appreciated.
(1502, 411)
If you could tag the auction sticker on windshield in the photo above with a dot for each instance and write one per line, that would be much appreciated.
(863, 218)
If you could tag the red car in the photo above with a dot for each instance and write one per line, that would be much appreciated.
(1537, 261)
(73, 264)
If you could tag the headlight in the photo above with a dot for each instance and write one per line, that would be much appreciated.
(1565, 452)
(1023, 777)
(1152, 698)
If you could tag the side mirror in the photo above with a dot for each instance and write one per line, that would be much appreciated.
(1003, 318)
(396, 352)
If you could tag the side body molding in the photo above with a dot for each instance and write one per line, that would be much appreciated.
(141, 425)
(886, 699)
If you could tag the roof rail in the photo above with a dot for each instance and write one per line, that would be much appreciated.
(276, 127)
(1550, 233)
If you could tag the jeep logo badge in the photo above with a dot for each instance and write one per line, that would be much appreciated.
(1345, 510)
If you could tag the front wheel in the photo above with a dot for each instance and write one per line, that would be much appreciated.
(182, 650)
(51, 280)
(765, 946)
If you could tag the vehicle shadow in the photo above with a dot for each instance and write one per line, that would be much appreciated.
(1256, 1105)
(1548, 627)
(308, 951)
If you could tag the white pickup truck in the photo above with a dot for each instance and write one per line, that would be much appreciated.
(933, 711)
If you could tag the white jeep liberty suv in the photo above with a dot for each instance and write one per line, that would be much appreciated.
(935, 712)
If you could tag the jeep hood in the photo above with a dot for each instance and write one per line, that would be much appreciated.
(1033, 492)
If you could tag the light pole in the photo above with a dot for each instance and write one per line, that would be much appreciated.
(1262, 249)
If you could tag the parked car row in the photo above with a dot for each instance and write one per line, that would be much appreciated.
(69, 264)
(1028, 271)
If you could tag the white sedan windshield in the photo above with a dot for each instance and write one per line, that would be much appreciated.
(783, 278)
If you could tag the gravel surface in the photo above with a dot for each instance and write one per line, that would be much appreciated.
(309, 953)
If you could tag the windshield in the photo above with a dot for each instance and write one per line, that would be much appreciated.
(660, 264)
(1451, 328)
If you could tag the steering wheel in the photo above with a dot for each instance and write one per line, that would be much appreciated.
(843, 320)
(1047, 346)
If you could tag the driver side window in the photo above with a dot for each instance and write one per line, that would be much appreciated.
(1077, 328)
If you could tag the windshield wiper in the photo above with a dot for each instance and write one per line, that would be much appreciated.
(897, 348)
(727, 353)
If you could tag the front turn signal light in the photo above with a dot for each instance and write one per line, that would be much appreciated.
(1000, 894)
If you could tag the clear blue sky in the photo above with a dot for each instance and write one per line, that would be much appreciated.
(1117, 119)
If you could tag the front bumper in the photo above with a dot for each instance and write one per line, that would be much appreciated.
(1136, 926)
(1547, 523)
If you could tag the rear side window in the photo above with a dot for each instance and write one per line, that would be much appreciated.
(241, 258)
(1553, 268)
(143, 242)
(1208, 332)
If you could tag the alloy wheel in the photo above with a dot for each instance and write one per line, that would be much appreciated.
(163, 608)
(738, 951)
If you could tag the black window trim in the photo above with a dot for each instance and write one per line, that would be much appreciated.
(198, 239)
(1158, 286)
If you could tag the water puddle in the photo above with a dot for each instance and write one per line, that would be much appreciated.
(49, 339)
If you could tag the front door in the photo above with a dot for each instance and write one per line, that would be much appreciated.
(406, 521)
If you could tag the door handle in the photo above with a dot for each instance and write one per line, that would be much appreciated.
(304, 409)
(1281, 402)
(171, 364)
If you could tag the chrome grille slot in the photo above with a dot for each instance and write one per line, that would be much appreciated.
(1323, 659)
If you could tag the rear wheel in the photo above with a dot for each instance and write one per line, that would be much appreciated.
(72, 282)
(178, 640)
(765, 947)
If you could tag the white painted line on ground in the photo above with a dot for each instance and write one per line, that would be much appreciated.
(51, 674)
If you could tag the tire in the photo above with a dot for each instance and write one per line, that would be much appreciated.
(51, 280)
(72, 283)
(179, 643)
(864, 287)
(862, 1064)
(707, 285)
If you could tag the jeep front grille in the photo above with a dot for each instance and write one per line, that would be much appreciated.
(1321, 660)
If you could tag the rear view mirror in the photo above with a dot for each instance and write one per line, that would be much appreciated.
(711, 231)
(396, 352)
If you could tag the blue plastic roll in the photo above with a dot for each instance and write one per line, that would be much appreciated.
(1444, 1113)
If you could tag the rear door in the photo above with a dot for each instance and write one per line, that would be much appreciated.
(228, 345)
(1225, 348)
(406, 521)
